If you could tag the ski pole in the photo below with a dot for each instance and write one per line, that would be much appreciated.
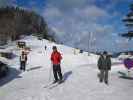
(50, 72)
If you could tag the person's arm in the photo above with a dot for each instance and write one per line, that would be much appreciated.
(20, 58)
(51, 57)
(26, 58)
(99, 63)
(109, 63)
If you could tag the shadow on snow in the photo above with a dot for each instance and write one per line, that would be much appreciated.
(34, 68)
(12, 74)
(66, 75)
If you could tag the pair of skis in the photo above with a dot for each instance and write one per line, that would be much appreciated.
(53, 85)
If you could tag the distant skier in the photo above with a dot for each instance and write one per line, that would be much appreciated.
(56, 60)
(23, 61)
(45, 47)
(104, 65)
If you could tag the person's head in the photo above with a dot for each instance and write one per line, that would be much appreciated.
(54, 48)
(23, 53)
(105, 53)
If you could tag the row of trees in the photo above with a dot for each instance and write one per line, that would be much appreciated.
(15, 21)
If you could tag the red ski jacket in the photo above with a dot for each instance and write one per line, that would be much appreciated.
(56, 58)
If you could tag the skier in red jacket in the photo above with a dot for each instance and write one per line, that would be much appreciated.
(56, 60)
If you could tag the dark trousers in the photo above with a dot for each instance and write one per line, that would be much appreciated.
(22, 65)
(104, 76)
(57, 72)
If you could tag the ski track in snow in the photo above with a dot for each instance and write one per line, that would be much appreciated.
(80, 74)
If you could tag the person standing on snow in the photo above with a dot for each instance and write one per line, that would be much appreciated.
(104, 65)
(23, 61)
(56, 60)
(45, 47)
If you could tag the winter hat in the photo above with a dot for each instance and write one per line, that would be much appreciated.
(54, 47)
(105, 53)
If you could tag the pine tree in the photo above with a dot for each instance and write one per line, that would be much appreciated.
(128, 20)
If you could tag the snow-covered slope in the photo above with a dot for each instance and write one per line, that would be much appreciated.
(80, 73)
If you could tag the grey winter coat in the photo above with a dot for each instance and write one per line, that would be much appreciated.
(104, 63)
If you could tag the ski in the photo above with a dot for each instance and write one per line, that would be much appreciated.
(48, 85)
(55, 85)
(52, 85)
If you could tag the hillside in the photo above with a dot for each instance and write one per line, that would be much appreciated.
(15, 21)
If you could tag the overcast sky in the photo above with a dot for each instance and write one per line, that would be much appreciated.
(73, 20)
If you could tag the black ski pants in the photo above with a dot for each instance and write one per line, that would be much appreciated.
(57, 72)
(22, 65)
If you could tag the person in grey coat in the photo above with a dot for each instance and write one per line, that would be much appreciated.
(104, 65)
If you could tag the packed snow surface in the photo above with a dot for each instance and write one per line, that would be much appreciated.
(79, 71)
